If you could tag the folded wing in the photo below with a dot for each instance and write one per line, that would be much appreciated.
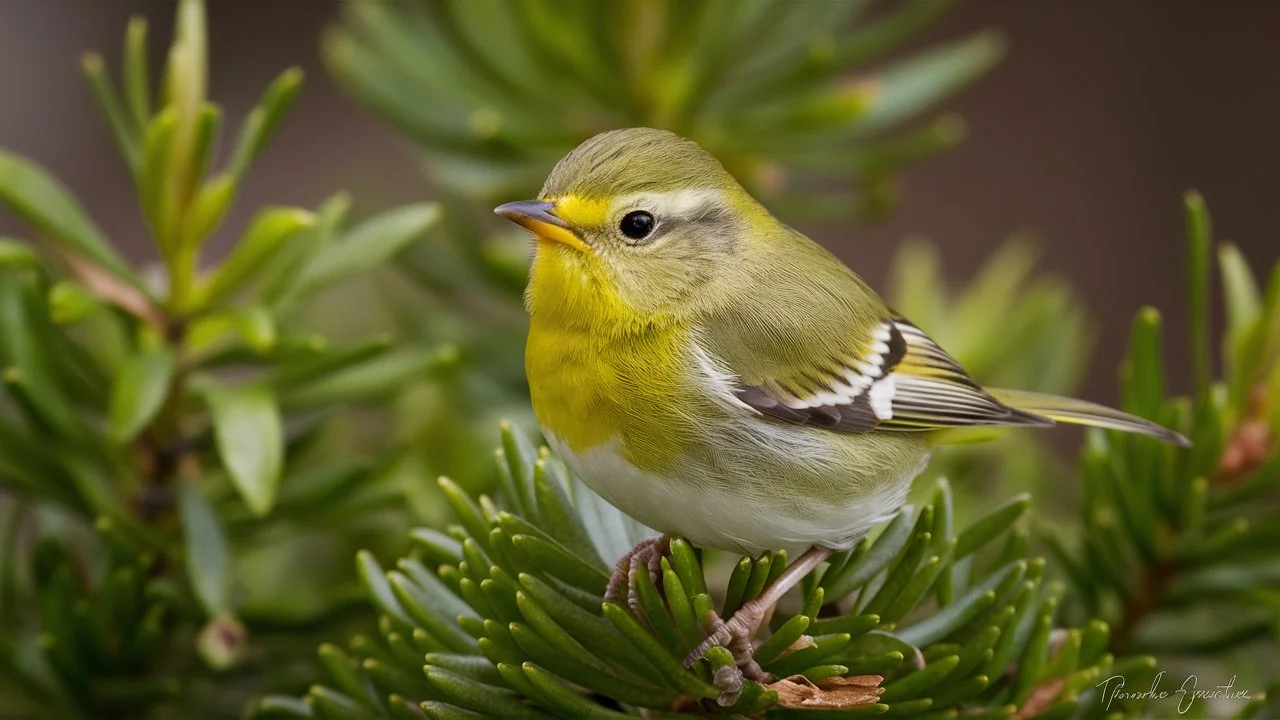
(895, 379)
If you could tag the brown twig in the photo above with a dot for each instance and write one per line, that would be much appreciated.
(1155, 580)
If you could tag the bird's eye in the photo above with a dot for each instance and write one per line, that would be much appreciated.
(636, 224)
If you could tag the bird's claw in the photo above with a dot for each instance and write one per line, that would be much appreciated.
(647, 555)
(735, 636)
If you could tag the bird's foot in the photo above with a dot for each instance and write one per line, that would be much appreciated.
(646, 556)
(735, 636)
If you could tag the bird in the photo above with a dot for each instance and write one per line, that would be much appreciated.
(717, 375)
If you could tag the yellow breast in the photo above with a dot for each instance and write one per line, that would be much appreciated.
(599, 371)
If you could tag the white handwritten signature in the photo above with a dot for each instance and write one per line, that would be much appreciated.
(1187, 693)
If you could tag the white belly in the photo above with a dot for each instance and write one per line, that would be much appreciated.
(748, 515)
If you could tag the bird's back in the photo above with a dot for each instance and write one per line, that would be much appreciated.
(793, 304)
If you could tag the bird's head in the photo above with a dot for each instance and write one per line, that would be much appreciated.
(640, 218)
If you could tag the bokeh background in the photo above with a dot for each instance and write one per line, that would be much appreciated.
(1084, 138)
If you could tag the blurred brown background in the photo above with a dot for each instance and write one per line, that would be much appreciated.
(1102, 114)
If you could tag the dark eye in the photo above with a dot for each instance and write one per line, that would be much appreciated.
(636, 224)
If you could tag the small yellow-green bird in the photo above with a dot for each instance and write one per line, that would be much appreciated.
(717, 375)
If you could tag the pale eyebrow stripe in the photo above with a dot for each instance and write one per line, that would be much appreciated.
(680, 203)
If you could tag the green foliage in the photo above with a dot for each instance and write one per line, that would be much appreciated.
(495, 93)
(501, 616)
(1190, 540)
(158, 430)
(1040, 339)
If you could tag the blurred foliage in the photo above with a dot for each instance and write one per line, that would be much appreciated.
(496, 92)
(502, 614)
(800, 100)
(159, 427)
(1181, 550)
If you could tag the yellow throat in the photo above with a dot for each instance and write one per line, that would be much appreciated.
(592, 360)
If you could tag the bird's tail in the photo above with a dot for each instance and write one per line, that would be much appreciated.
(1080, 412)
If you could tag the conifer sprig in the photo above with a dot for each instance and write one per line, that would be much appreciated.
(156, 422)
(501, 615)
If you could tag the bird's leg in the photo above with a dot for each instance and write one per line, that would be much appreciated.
(646, 554)
(735, 634)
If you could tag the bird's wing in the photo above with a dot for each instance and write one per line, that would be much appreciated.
(895, 378)
(805, 340)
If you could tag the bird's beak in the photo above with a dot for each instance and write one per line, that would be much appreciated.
(536, 216)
